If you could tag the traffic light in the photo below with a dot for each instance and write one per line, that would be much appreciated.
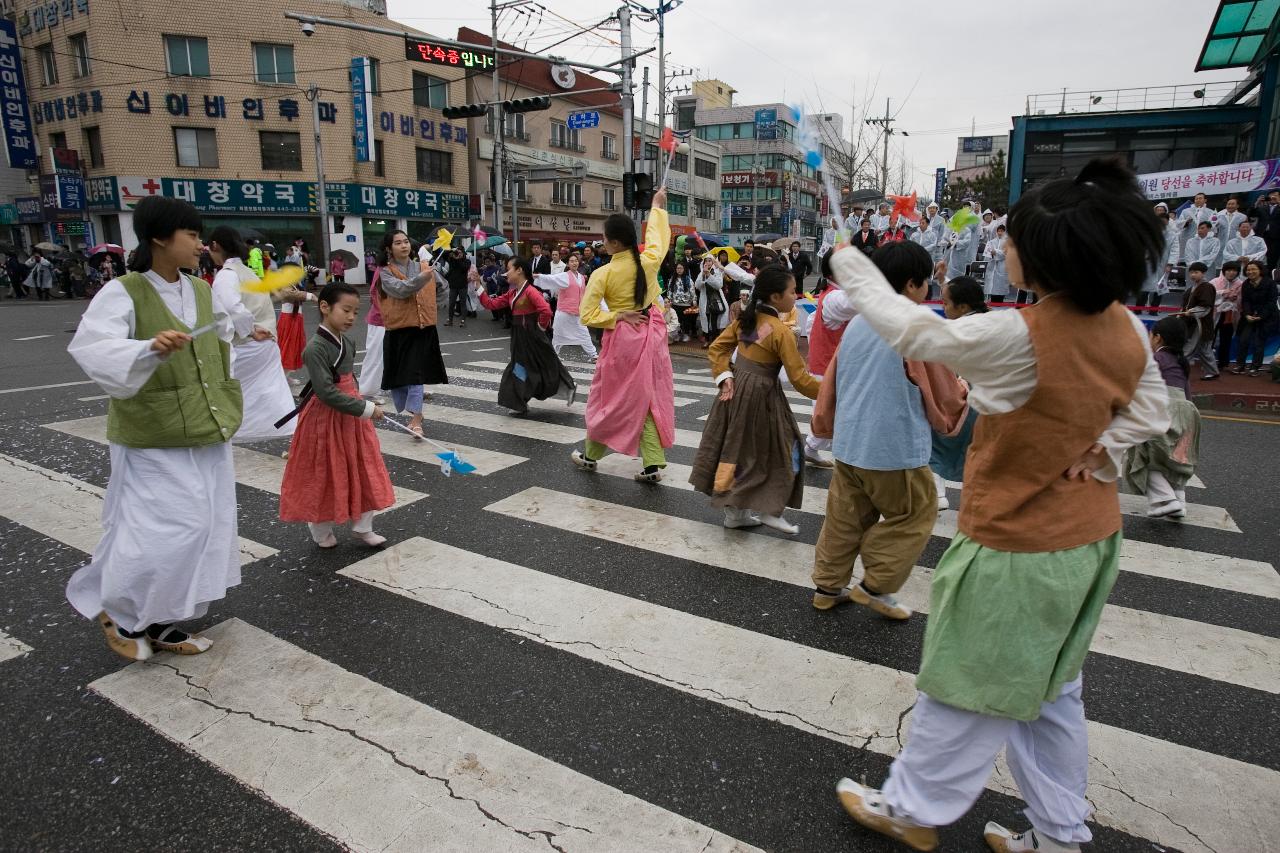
(637, 191)
(466, 111)
(527, 105)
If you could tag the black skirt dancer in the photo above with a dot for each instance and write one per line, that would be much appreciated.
(535, 373)
(412, 357)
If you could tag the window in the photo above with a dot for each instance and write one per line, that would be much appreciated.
(650, 151)
(379, 160)
(704, 168)
(521, 189)
(704, 208)
(685, 116)
(609, 147)
(47, 64)
(273, 63)
(79, 49)
(375, 76)
(680, 163)
(563, 136)
(281, 152)
(515, 127)
(430, 91)
(566, 193)
(93, 144)
(435, 167)
(187, 56)
(111, 228)
(58, 140)
(197, 147)
(678, 205)
(610, 200)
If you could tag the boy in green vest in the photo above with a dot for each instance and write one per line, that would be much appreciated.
(152, 341)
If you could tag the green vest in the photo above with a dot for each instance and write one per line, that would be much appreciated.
(191, 400)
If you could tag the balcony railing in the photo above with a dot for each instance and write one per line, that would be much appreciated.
(516, 134)
(1124, 100)
(557, 202)
(608, 207)
(567, 145)
(609, 155)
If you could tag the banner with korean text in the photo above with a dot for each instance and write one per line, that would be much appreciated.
(1255, 176)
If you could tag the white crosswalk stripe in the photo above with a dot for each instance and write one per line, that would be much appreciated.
(68, 510)
(318, 740)
(820, 692)
(579, 373)
(1181, 645)
(12, 647)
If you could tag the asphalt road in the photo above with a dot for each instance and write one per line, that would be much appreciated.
(532, 719)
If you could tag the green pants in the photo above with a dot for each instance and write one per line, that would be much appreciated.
(651, 452)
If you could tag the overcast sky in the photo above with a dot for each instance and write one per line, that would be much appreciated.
(943, 63)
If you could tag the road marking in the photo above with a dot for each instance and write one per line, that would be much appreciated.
(821, 692)
(489, 349)
(583, 383)
(476, 341)
(12, 647)
(254, 468)
(1182, 645)
(33, 337)
(94, 398)
(45, 387)
(375, 769)
(588, 374)
(505, 424)
(405, 446)
(66, 509)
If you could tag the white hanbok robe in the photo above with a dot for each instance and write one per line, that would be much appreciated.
(169, 544)
(566, 328)
(997, 278)
(267, 397)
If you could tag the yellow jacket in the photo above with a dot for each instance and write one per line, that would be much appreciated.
(615, 282)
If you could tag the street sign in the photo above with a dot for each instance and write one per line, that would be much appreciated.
(939, 182)
(766, 124)
(582, 121)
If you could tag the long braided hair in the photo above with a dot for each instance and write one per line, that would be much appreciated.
(620, 228)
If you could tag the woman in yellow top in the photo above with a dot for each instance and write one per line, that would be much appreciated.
(750, 458)
(632, 401)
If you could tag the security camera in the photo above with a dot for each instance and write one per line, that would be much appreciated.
(308, 29)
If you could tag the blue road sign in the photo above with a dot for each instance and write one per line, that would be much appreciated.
(582, 121)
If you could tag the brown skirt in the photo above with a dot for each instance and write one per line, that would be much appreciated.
(750, 454)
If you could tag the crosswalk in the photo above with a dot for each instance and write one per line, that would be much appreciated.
(638, 589)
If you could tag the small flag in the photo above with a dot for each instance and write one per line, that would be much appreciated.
(668, 141)
(478, 234)
(287, 276)
(962, 219)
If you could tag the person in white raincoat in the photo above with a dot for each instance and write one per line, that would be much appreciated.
(1228, 226)
(962, 251)
(997, 277)
(1205, 248)
(713, 310)
(1245, 246)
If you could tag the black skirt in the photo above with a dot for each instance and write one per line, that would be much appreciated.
(412, 357)
(535, 373)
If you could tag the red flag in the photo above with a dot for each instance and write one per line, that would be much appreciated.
(668, 141)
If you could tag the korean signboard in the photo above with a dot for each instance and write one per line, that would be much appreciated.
(19, 141)
(425, 50)
(1255, 176)
(977, 144)
(766, 124)
(29, 211)
(46, 16)
(939, 182)
(743, 179)
(68, 181)
(362, 109)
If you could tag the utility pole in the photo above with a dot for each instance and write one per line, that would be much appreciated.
(322, 200)
(662, 66)
(628, 89)
(886, 130)
(644, 112)
(499, 126)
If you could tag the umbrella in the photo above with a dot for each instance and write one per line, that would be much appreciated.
(503, 249)
(348, 259)
(113, 248)
(728, 250)
(48, 248)
(252, 234)
(767, 238)
(711, 242)
(494, 240)
(781, 244)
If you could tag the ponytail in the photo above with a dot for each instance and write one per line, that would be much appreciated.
(774, 278)
(642, 283)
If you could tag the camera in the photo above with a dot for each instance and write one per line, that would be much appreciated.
(308, 29)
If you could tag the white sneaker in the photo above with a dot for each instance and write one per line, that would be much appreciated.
(735, 518)
(817, 460)
(779, 523)
(1002, 840)
(943, 503)
(1167, 509)
(884, 603)
(867, 807)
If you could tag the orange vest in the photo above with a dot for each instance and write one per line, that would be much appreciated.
(418, 311)
(1015, 496)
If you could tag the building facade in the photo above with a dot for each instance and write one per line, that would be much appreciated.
(765, 185)
(568, 209)
(693, 184)
(206, 106)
